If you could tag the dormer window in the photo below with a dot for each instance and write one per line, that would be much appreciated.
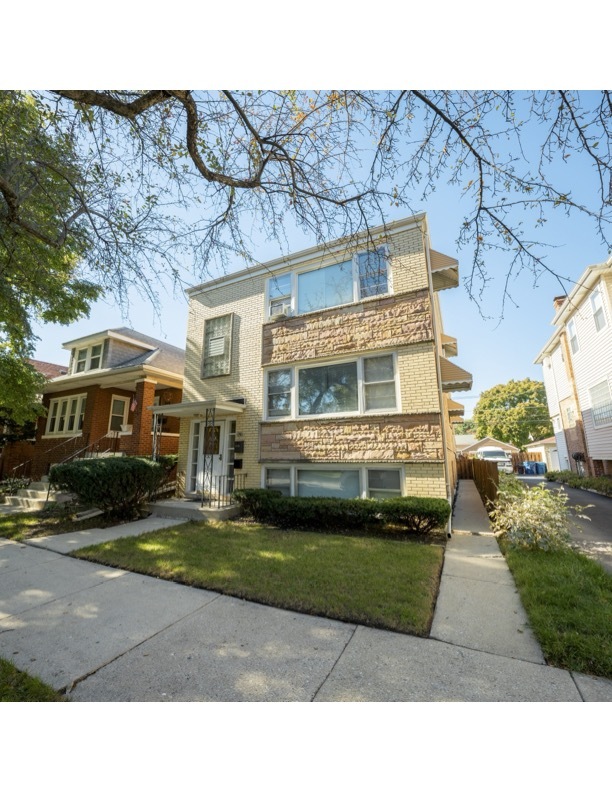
(88, 358)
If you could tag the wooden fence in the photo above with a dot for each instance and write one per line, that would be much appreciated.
(485, 476)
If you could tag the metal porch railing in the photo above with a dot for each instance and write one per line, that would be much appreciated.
(222, 490)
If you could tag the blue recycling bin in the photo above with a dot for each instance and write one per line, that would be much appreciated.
(529, 468)
(540, 468)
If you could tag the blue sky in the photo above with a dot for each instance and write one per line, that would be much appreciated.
(494, 350)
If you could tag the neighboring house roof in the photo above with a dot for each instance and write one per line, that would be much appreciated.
(464, 440)
(156, 358)
(162, 355)
(546, 441)
(584, 286)
(487, 441)
(48, 370)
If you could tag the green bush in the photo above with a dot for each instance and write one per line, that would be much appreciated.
(118, 486)
(601, 484)
(416, 515)
(534, 517)
(9, 486)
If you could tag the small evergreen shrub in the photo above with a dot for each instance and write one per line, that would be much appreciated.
(118, 486)
(411, 514)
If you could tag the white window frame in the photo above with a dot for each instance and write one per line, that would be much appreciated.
(573, 336)
(597, 385)
(597, 297)
(362, 469)
(293, 296)
(88, 356)
(126, 400)
(294, 413)
(81, 398)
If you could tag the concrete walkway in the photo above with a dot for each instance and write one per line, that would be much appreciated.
(104, 634)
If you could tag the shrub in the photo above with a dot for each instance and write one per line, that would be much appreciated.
(534, 517)
(117, 485)
(601, 484)
(417, 515)
(9, 486)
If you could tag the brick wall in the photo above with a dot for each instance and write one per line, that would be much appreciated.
(402, 322)
(382, 323)
(372, 439)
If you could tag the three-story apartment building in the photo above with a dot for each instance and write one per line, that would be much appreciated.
(577, 368)
(325, 373)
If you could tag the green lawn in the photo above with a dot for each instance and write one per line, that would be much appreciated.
(18, 686)
(27, 525)
(568, 598)
(367, 580)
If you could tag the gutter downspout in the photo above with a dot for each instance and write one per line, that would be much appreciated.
(449, 494)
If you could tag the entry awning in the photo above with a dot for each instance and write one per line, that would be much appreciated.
(198, 409)
(454, 378)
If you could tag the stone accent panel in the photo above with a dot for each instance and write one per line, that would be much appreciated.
(387, 322)
(401, 438)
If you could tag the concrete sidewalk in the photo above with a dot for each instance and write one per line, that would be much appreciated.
(108, 635)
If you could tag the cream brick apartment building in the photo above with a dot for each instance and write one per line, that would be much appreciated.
(325, 372)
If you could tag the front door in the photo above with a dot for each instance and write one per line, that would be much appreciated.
(204, 442)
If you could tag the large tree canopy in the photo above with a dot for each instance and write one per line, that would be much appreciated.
(515, 412)
(121, 189)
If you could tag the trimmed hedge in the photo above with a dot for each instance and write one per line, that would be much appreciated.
(600, 484)
(117, 485)
(410, 514)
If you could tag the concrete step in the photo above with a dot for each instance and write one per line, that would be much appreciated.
(42, 485)
(191, 510)
(34, 494)
(37, 501)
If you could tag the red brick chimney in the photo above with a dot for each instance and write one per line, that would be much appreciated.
(558, 301)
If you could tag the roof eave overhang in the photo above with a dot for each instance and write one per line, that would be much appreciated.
(112, 378)
(199, 409)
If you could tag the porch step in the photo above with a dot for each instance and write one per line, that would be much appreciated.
(191, 510)
(34, 497)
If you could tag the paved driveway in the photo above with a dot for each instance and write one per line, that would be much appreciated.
(593, 536)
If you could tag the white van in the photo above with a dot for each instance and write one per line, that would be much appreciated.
(494, 454)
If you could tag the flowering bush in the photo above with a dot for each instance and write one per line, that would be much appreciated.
(534, 517)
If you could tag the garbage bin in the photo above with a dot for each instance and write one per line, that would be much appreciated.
(540, 468)
(529, 468)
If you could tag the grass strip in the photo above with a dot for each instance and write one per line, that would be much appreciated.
(16, 685)
(27, 525)
(568, 598)
(365, 580)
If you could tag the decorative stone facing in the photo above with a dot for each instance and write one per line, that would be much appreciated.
(384, 438)
(384, 323)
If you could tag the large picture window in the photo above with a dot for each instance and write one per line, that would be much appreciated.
(66, 415)
(365, 385)
(364, 275)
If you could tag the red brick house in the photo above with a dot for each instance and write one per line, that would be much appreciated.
(99, 405)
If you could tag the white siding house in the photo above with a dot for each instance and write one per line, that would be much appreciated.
(577, 368)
